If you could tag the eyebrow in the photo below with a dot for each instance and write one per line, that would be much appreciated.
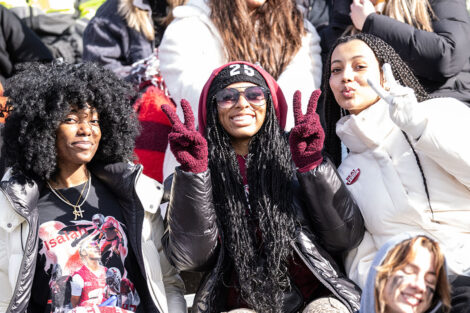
(354, 57)
(74, 110)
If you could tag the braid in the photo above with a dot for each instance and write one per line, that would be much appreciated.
(257, 231)
(385, 54)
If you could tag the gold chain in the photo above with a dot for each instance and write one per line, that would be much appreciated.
(77, 208)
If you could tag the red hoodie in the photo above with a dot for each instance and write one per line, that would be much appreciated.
(279, 102)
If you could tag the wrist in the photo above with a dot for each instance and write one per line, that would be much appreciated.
(195, 168)
(313, 161)
(415, 129)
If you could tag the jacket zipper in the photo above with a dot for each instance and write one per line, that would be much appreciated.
(18, 280)
(323, 281)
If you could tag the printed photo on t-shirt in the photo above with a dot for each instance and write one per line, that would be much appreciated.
(86, 262)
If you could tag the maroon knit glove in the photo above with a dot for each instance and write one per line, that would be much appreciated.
(186, 143)
(307, 136)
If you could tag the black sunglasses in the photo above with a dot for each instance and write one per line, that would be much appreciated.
(228, 97)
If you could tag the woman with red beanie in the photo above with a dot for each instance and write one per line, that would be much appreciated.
(261, 213)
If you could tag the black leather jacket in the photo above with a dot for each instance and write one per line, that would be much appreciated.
(330, 225)
(23, 197)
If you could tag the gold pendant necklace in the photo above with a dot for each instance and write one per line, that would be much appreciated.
(77, 208)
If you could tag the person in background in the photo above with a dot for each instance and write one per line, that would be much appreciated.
(59, 24)
(123, 36)
(431, 36)
(18, 44)
(68, 159)
(267, 233)
(206, 34)
(123, 32)
(408, 274)
(407, 166)
(316, 12)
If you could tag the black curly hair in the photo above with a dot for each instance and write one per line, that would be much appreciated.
(331, 111)
(40, 97)
(258, 231)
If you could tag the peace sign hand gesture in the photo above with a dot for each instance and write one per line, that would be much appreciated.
(186, 143)
(307, 137)
(402, 101)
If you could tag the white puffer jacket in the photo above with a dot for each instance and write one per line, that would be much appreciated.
(192, 48)
(382, 173)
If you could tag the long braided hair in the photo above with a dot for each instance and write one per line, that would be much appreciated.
(258, 230)
(331, 110)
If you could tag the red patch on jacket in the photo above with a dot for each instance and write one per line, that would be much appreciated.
(353, 176)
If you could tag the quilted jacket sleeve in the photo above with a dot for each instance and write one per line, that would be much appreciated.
(191, 237)
(447, 47)
(334, 214)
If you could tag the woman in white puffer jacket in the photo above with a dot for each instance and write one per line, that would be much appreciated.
(408, 165)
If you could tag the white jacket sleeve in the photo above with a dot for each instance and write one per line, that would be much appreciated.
(445, 136)
(165, 285)
(303, 73)
(188, 53)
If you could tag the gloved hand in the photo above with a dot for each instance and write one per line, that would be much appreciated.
(186, 143)
(307, 137)
(402, 101)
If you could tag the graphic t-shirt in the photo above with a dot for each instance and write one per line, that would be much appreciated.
(85, 263)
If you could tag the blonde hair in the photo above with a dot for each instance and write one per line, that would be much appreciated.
(400, 256)
(417, 13)
(140, 20)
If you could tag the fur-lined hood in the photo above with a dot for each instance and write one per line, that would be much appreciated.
(138, 16)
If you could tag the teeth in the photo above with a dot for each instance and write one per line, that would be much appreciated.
(239, 118)
(412, 300)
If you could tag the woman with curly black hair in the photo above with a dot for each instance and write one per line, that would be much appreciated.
(80, 223)
(406, 166)
(265, 233)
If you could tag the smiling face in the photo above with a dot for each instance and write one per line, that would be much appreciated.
(78, 137)
(352, 63)
(243, 120)
(411, 289)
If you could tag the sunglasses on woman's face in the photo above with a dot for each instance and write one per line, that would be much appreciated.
(228, 97)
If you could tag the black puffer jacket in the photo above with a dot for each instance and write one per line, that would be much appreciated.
(440, 59)
(330, 224)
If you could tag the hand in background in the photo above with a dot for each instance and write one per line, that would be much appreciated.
(360, 10)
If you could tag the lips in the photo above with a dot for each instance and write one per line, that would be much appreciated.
(411, 300)
(242, 119)
(84, 145)
(348, 92)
